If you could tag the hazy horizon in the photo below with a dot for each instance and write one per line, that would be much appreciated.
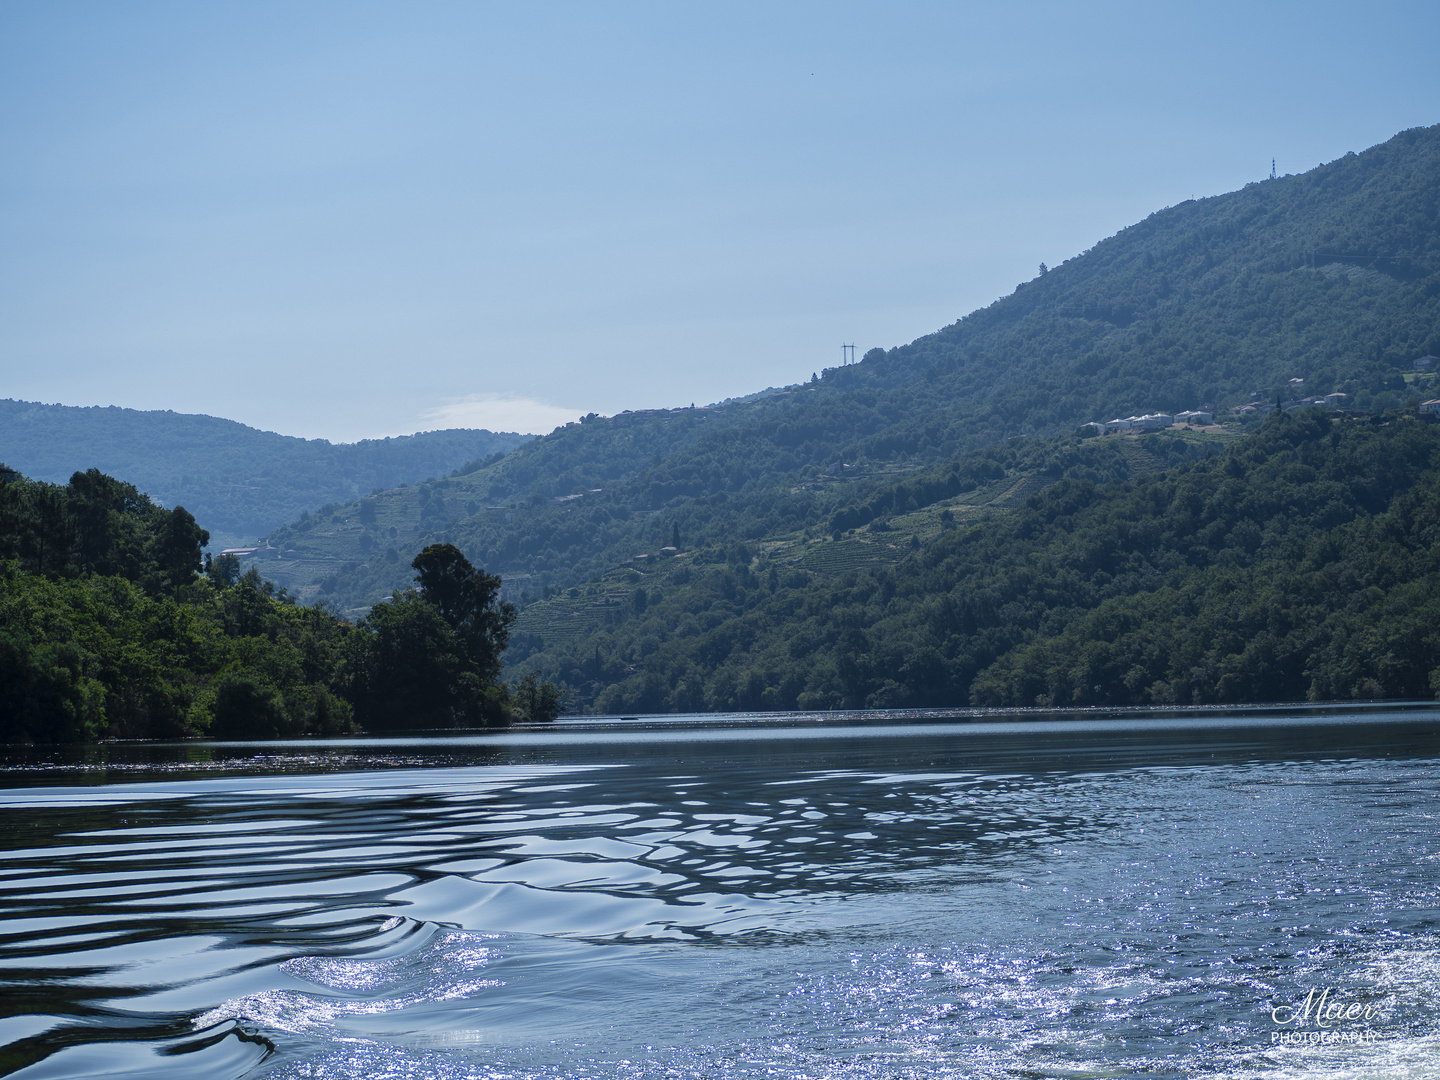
(348, 222)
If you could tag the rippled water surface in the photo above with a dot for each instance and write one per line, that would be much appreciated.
(1082, 897)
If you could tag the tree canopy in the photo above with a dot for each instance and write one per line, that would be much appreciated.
(111, 626)
(431, 658)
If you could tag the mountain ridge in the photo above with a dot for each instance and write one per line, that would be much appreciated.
(1328, 276)
(240, 480)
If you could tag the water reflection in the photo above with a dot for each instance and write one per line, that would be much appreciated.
(915, 889)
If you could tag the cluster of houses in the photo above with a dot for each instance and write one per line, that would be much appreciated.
(1429, 410)
(1149, 422)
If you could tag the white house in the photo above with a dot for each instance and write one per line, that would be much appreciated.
(1151, 422)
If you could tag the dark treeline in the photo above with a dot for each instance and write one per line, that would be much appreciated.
(111, 625)
(1301, 562)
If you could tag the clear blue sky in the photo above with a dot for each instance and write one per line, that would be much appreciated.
(351, 220)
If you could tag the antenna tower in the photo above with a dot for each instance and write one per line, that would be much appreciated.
(1272, 168)
(847, 354)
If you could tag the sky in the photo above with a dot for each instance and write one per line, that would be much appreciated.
(352, 220)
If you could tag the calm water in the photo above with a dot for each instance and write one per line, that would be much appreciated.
(891, 897)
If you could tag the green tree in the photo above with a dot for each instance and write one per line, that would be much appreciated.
(248, 707)
(109, 516)
(431, 657)
(537, 701)
(408, 669)
(223, 571)
(469, 601)
(178, 544)
(50, 539)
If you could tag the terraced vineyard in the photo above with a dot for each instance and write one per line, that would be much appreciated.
(561, 619)
(838, 556)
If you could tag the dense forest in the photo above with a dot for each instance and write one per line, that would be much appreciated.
(1300, 562)
(112, 625)
(1331, 277)
(241, 482)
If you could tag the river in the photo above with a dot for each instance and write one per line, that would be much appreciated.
(1206, 893)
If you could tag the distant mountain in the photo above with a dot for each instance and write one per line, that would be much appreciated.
(1331, 278)
(239, 483)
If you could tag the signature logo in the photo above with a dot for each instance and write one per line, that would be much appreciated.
(1327, 1009)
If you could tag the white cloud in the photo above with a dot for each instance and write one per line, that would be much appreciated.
(500, 412)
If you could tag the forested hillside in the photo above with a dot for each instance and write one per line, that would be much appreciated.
(241, 482)
(110, 629)
(1302, 561)
(1331, 277)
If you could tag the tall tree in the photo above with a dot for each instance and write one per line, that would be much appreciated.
(468, 601)
(109, 517)
(178, 544)
(431, 658)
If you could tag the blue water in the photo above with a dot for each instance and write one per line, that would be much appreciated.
(864, 896)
